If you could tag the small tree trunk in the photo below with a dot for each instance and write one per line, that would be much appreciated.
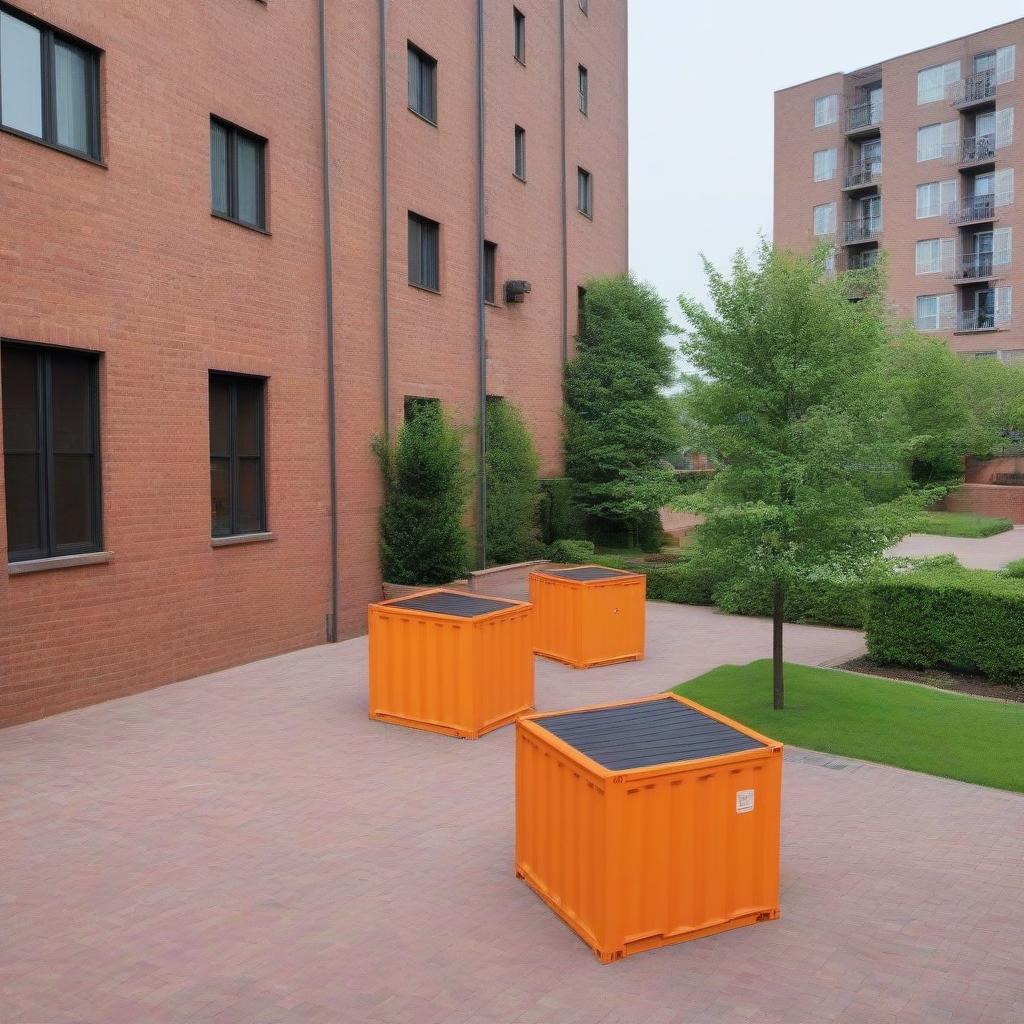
(778, 691)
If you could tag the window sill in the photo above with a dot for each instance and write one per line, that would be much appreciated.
(422, 117)
(424, 288)
(519, 60)
(57, 562)
(583, 213)
(519, 177)
(241, 538)
(240, 223)
(84, 157)
(492, 303)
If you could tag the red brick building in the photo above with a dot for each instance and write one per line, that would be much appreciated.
(187, 245)
(917, 156)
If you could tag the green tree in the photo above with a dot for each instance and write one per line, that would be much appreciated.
(994, 396)
(619, 424)
(422, 537)
(512, 486)
(789, 397)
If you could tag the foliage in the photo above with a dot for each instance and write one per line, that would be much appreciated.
(619, 426)
(790, 400)
(1014, 569)
(994, 396)
(914, 727)
(557, 514)
(958, 524)
(944, 615)
(575, 551)
(422, 537)
(511, 486)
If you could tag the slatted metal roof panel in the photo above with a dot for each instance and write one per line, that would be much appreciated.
(465, 606)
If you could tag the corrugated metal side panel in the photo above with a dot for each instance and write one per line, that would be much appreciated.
(561, 834)
(613, 620)
(557, 630)
(503, 666)
(419, 669)
(686, 860)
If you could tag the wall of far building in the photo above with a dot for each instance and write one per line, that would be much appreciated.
(122, 257)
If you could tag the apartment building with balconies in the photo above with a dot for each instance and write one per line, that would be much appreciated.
(916, 157)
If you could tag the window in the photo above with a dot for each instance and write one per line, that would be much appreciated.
(414, 405)
(237, 502)
(585, 6)
(933, 256)
(519, 35)
(934, 312)
(1002, 124)
(935, 198)
(519, 157)
(584, 84)
(51, 451)
(49, 86)
(581, 310)
(422, 84)
(933, 140)
(826, 110)
(932, 82)
(490, 264)
(1004, 186)
(1005, 60)
(236, 174)
(824, 164)
(584, 192)
(825, 219)
(424, 252)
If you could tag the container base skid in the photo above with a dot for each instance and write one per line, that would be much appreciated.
(447, 730)
(641, 944)
(587, 664)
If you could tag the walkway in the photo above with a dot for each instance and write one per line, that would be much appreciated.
(981, 553)
(248, 848)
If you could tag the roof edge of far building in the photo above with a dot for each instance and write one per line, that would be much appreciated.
(898, 56)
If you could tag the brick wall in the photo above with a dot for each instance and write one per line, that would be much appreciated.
(999, 501)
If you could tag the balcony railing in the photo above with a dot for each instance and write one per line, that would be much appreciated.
(974, 89)
(864, 172)
(975, 266)
(969, 320)
(862, 229)
(863, 116)
(972, 209)
(862, 260)
(972, 150)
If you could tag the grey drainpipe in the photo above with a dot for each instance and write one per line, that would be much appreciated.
(384, 316)
(332, 625)
(565, 185)
(481, 531)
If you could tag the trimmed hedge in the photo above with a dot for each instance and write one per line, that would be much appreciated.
(946, 616)
(821, 599)
(959, 524)
(1015, 569)
(557, 514)
(571, 551)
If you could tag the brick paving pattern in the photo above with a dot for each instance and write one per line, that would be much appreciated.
(248, 848)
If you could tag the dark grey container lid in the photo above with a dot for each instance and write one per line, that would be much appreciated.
(465, 606)
(587, 573)
(642, 735)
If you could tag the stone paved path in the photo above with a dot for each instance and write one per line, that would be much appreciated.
(976, 553)
(248, 848)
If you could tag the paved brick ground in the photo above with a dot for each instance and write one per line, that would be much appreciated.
(247, 848)
(978, 553)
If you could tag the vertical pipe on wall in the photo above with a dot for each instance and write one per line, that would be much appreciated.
(328, 231)
(384, 220)
(565, 185)
(481, 529)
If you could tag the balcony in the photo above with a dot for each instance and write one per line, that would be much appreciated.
(861, 229)
(864, 117)
(976, 266)
(969, 92)
(863, 174)
(974, 150)
(974, 321)
(863, 260)
(974, 210)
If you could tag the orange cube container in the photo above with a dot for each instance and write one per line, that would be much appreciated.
(450, 662)
(648, 822)
(588, 615)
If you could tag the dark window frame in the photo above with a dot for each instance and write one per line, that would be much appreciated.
(49, 35)
(233, 458)
(45, 453)
(519, 35)
(426, 70)
(418, 277)
(581, 310)
(490, 272)
(234, 132)
(583, 82)
(585, 192)
(519, 153)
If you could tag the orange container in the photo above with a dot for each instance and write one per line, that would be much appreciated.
(648, 822)
(450, 662)
(588, 615)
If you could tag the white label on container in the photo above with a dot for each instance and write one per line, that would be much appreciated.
(744, 800)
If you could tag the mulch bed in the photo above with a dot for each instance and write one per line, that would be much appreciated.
(961, 682)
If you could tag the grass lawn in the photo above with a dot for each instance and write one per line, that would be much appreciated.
(874, 719)
(960, 524)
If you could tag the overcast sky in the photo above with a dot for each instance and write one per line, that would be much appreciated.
(701, 81)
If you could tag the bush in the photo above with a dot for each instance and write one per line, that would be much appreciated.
(556, 514)
(821, 599)
(969, 620)
(959, 524)
(511, 486)
(576, 551)
(422, 539)
(1015, 569)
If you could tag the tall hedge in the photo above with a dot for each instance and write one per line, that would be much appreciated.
(422, 537)
(512, 464)
(946, 616)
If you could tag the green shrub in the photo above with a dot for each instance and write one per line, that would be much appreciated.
(1015, 569)
(557, 516)
(959, 524)
(511, 486)
(576, 551)
(422, 539)
(969, 620)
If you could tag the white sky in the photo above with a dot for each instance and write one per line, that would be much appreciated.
(701, 82)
